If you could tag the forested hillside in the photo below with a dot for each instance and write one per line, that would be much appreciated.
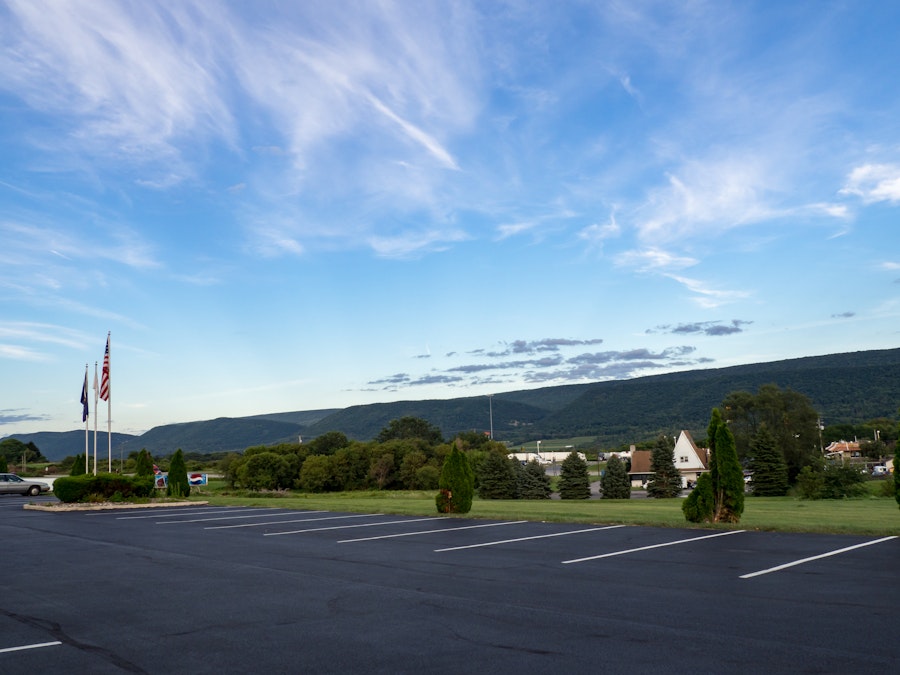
(844, 388)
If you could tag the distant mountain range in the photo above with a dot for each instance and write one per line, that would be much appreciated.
(845, 388)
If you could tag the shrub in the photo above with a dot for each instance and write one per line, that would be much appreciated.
(103, 486)
(699, 507)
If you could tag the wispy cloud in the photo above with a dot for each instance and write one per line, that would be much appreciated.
(874, 183)
(711, 328)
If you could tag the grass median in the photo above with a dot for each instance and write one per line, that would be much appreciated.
(877, 516)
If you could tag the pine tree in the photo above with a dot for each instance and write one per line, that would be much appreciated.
(533, 481)
(496, 479)
(666, 478)
(614, 483)
(770, 471)
(699, 507)
(177, 484)
(456, 484)
(574, 481)
(4, 467)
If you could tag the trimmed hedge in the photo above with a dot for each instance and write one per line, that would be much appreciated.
(102, 487)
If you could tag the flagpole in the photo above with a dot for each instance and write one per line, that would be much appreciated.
(86, 415)
(107, 394)
(96, 415)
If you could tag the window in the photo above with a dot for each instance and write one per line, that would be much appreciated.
(683, 459)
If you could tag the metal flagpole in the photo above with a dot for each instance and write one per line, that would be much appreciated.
(108, 401)
(96, 415)
(85, 414)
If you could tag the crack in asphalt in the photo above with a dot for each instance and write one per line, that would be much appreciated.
(56, 630)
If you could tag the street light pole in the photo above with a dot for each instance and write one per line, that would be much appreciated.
(491, 410)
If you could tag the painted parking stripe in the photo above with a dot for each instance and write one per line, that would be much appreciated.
(778, 568)
(253, 515)
(34, 646)
(176, 514)
(647, 548)
(537, 536)
(347, 527)
(443, 529)
(299, 520)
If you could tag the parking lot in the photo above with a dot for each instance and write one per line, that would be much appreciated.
(215, 589)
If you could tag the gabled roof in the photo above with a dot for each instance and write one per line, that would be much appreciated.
(698, 458)
(640, 462)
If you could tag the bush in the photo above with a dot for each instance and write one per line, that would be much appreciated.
(835, 481)
(103, 486)
(699, 507)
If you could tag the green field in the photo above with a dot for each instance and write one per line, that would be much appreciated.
(869, 516)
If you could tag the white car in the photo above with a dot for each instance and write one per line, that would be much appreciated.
(879, 470)
(11, 484)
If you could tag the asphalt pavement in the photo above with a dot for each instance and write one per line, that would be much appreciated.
(238, 590)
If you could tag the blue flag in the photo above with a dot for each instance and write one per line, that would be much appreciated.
(84, 398)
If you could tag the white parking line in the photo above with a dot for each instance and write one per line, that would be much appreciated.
(176, 514)
(34, 646)
(443, 529)
(299, 520)
(347, 527)
(647, 548)
(815, 557)
(537, 536)
(254, 515)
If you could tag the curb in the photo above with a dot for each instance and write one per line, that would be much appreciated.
(105, 506)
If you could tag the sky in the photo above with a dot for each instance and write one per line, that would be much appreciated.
(279, 206)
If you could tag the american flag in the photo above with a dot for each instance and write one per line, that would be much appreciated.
(104, 380)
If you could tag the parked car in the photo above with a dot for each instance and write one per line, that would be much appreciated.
(11, 484)
(879, 470)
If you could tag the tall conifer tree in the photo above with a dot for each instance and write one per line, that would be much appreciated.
(666, 478)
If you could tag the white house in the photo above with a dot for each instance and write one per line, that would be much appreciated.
(690, 460)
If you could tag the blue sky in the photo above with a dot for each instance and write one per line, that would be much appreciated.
(281, 206)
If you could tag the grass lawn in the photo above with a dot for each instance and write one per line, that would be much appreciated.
(869, 515)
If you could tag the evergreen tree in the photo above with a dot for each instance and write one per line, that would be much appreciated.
(666, 478)
(574, 481)
(496, 478)
(456, 484)
(178, 485)
(699, 507)
(897, 474)
(4, 467)
(78, 466)
(770, 471)
(730, 504)
(533, 481)
(143, 465)
(715, 420)
(615, 483)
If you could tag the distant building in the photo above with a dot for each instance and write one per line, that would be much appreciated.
(690, 460)
(846, 451)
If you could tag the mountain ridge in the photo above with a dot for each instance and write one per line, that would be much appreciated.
(849, 387)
